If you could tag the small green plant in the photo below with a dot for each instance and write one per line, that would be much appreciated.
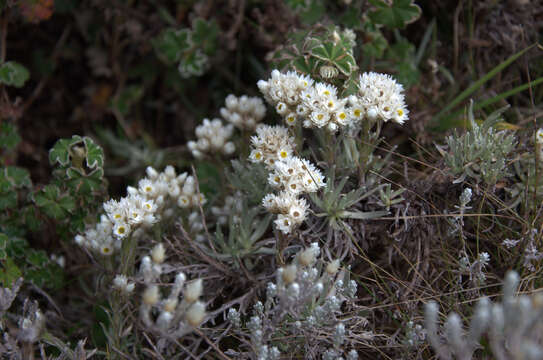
(190, 49)
(482, 153)
(65, 203)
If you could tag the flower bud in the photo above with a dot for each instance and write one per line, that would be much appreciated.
(332, 267)
(289, 273)
(158, 254)
(193, 291)
(151, 295)
(196, 313)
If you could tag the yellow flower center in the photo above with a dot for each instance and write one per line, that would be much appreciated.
(400, 112)
(258, 156)
(284, 154)
(148, 189)
(342, 116)
(320, 116)
(357, 113)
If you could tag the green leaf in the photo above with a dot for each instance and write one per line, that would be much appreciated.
(13, 74)
(84, 184)
(171, 43)
(37, 258)
(3, 241)
(8, 200)
(9, 273)
(204, 35)
(9, 138)
(51, 202)
(376, 45)
(17, 247)
(30, 218)
(95, 154)
(18, 177)
(396, 15)
(60, 153)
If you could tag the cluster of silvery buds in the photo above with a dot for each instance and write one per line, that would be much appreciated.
(156, 196)
(32, 323)
(296, 97)
(243, 112)
(232, 207)
(513, 326)
(289, 174)
(213, 138)
(299, 287)
(175, 317)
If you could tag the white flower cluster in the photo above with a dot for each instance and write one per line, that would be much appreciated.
(289, 174)
(539, 136)
(213, 138)
(381, 97)
(156, 195)
(299, 97)
(270, 144)
(284, 91)
(243, 112)
(175, 317)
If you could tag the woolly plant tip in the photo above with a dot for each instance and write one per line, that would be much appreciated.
(289, 273)
(158, 254)
(510, 285)
(196, 314)
(332, 267)
(151, 295)
(170, 305)
(193, 291)
(309, 256)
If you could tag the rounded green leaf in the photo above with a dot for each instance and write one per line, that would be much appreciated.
(13, 74)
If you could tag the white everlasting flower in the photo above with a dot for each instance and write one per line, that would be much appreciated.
(270, 144)
(121, 230)
(284, 223)
(382, 97)
(213, 138)
(155, 197)
(539, 136)
(296, 175)
(284, 92)
(243, 112)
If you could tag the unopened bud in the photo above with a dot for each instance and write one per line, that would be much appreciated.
(193, 291)
(196, 313)
(289, 273)
(158, 254)
(332, 267)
